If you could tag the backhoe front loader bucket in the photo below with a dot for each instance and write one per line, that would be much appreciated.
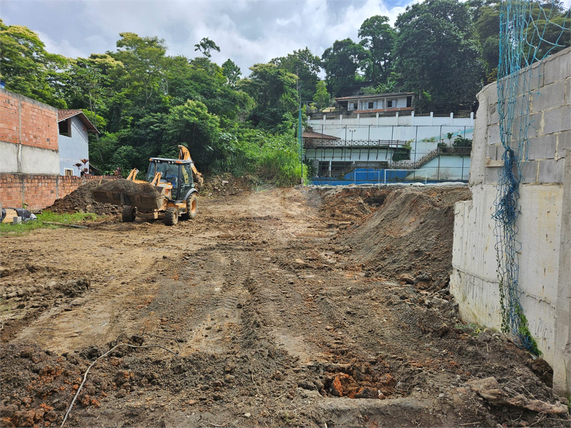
(143, 196)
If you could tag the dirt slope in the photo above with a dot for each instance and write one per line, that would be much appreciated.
(81, 200)
(268, 309)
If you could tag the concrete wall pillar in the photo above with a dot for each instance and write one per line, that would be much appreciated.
(562, 367)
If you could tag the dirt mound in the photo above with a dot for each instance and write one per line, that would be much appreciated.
(80, 200)
(41, 385)
(227, 185)
(128, 186)
(410, 236)
(346, 203)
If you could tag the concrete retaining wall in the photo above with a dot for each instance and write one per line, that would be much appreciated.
(544, 222)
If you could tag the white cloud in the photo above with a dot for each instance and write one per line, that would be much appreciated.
(61, 47)
(247, 31)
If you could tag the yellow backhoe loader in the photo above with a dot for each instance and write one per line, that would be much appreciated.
(170, 189)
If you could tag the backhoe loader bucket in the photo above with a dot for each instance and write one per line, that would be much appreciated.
(143, 196)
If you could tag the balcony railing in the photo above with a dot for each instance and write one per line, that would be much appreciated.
(385, 144)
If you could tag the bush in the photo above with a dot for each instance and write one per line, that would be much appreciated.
(461, 142)
(272, 158)
(401, 154)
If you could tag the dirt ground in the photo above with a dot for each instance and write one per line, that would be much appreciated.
(284, 307)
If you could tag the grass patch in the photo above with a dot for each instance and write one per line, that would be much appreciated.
(471, 329)
(42, 222)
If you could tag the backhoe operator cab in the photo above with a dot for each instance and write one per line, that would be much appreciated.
(176, 172)
(179, 188)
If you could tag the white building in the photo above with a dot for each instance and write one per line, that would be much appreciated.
(377, 103)
(74, 129)
(381, 141)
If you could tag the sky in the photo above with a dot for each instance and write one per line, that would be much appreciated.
(247, 31)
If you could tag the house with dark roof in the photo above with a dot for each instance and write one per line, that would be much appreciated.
(74, 128)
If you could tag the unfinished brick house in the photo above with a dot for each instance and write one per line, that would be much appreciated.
(30, 162)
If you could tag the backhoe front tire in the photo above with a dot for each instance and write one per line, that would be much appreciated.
(128, 214)
(191, 205)
(171, 216)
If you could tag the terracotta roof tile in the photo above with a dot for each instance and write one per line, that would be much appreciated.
(66, 114)
(307, 134)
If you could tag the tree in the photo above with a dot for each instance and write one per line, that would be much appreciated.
(89, 82)
(191, 123)
(143, 59)
(305, 66)
(274, 92)
(321, 97)
(205, 83)
(231, 72)
(437, 52)
(488, 28)
(549, 30)
(27, 68)
(377, 37)
(341, 62)
(205, 46)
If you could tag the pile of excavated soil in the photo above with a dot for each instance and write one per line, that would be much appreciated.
(398, 233)
(80, 200)
(227, 185)
(347, 203)
(44, 383)
(410, 236)
(129, 187)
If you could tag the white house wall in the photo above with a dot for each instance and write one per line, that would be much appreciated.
(422, 133)
(448, 168)
(73, 149)
(396, 120)
(349, 155)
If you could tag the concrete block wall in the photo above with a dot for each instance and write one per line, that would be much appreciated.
(548, 123)
(544, 220)
(37, 191)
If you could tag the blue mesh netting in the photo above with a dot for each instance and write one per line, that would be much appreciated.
(529, 32)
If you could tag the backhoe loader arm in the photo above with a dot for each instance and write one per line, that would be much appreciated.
(184, 154)
(133, 174)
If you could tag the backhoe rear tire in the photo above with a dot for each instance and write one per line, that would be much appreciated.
(171, 216)
(191, 205)
(129, 213)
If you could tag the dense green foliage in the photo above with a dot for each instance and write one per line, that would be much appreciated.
(27, 68)
(274, 92)
(341, 63)
(377, 37)
(437, 52)
(305, 66)
(146, 102)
